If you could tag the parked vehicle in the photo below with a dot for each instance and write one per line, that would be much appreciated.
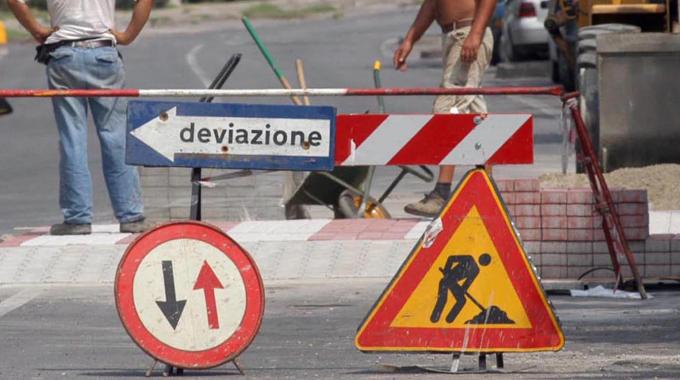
(523, 32)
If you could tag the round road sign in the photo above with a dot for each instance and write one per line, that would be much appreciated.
(189, 295)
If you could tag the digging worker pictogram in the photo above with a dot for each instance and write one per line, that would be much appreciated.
(466, 270)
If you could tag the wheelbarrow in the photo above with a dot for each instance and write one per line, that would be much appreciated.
(344, 189)
(5, 108)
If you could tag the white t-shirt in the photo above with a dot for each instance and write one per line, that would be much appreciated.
(79, 19)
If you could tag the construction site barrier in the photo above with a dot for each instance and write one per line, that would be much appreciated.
(611, 224)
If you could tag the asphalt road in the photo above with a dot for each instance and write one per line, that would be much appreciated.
(308, 330)
(337, 53)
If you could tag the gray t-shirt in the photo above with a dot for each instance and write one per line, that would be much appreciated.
(79, 19)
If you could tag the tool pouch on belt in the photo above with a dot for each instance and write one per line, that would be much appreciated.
(42, 52)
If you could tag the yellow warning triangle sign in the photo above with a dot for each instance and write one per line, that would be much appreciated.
(467, 286)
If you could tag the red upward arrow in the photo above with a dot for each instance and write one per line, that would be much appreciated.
(208, 281)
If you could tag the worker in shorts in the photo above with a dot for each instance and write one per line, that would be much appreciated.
(467, 44)
(79, 49)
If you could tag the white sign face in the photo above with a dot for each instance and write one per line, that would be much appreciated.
(189, 295)
(170, 134)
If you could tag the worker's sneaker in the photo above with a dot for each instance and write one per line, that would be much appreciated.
(429, 207)
(138, 226)
(71, 229)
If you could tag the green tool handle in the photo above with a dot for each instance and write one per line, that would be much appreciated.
(263, 49)
(270, 59)
(376, 81)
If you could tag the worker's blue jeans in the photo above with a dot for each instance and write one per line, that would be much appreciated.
(96, 68)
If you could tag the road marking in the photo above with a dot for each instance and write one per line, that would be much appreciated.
(16, 301)
(192, 61)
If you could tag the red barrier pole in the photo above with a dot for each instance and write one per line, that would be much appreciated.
(31, 93)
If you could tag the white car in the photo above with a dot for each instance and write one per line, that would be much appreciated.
(523, 31)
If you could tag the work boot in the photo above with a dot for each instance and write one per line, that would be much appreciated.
(71, 229)
(429, 207)
(138, 226)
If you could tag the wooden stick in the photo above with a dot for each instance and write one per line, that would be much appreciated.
(299, 66)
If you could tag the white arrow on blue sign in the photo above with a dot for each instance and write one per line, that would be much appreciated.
(239, 136)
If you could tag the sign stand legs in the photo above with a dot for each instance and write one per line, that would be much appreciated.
(499, 360)
(455, 362)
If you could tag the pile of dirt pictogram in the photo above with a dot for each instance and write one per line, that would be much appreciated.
(492, 315)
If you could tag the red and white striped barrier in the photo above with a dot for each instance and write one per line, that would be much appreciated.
(136, 93)
(456, 139)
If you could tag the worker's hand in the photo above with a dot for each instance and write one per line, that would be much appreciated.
(122, 38)
(399, 59)
(468, 53)
(41, 33)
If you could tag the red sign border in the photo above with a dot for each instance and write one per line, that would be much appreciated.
(213, 357)
(375, 332)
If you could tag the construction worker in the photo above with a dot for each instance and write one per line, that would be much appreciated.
(467, 45)
(79, 49)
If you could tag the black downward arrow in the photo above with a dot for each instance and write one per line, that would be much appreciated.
(171, 308)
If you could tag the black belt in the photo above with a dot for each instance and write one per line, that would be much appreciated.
(446, 28)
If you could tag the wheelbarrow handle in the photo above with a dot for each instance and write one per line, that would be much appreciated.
(426, 174)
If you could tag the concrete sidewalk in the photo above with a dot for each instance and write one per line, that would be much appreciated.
(283, 250)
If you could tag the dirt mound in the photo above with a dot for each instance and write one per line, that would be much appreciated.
(490, 316)
(661, 182)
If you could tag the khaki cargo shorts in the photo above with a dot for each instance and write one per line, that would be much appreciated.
(459, 74)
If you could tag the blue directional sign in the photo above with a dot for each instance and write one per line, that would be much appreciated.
(230, 136)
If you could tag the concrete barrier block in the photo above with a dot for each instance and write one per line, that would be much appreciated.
(528, 222)
(580, 210)
(658, 243)
(550, 234)
(527, 185)
(632, 209)
(553, 259)
(527, 210)
(577, 259)
(658, 258)
(554, 222)
(657, 270)
(580, 222)
(581, 234)
(554, 196)
(579, 247)
(532, 247)
(553, 247)
(553, 210)
(527, 198)
(580, 196)
(505, 185)
(531, 234)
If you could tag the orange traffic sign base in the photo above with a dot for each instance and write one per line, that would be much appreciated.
(467, 286)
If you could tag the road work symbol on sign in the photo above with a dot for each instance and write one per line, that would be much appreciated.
(188, 295)
(471, 289)
(466, 269)
(230, 135)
